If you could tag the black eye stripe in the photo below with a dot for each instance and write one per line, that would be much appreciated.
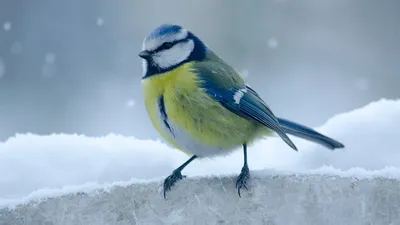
(168, 45)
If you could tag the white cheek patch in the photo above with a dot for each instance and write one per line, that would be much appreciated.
(153, 43)
(175, 55)
(144, 66)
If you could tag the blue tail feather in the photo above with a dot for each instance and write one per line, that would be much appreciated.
(307, 133)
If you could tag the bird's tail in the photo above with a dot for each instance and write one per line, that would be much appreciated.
(307, 133)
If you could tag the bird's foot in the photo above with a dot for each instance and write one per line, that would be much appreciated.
(243, 178)
(171, 180)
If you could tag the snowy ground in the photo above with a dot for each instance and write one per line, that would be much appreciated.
(42, 166)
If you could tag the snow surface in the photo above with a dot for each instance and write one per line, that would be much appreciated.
(272, 199)
(34, 166)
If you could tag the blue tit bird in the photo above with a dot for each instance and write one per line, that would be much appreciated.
(202, 106)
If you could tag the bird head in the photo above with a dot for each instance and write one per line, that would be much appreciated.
(169, 46)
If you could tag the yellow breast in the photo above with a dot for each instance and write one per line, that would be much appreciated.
(204, 124)
(170, 85)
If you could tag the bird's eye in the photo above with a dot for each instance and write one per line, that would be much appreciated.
(168, 45)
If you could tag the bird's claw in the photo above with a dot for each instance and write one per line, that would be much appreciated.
(242, 179)
(171, 180)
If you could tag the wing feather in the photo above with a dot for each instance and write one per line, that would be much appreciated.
(226, 86)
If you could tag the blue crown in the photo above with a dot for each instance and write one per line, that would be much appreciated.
(165, 29)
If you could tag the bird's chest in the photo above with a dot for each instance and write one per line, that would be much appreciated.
(177, 108)
(167, 95)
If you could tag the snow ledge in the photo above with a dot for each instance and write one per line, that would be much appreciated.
(324, 196)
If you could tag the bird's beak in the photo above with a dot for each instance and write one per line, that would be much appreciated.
(144, 54)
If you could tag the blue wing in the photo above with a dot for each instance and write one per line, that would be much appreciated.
(225, 85)
(245, 102)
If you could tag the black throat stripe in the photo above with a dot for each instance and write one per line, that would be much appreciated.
(163, 113)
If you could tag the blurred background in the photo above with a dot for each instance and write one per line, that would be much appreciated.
(71, 66)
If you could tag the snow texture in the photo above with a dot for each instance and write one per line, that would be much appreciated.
(73, 179)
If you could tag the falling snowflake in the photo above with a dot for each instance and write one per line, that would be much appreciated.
(130, 103)
(2, 68)
(272, 42)
(100, 21)
(50, 58)
(362, 84)
(7, 25)
(49, 68)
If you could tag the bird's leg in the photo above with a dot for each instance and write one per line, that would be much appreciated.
(244, 174)
(176, 175)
